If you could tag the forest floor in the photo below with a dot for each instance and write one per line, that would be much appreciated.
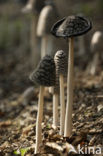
(18, 111)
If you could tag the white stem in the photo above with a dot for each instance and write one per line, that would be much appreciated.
(55, 109)
(70, 83)
(39, 120)
(44, 44)
(62, 104)
(94, 64)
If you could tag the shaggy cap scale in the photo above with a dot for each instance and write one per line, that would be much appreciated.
(44, 75)
(71, 26)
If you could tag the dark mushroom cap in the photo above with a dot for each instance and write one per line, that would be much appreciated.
(44, 75)
(61, 62)
(71, 26)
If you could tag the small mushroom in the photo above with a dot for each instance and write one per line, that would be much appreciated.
(69, 28)
(46, 19)
(61, 60)
(43, 76)
(97, 49)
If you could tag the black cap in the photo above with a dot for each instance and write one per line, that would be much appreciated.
(71, 26)
(45, 73)
(61, 61)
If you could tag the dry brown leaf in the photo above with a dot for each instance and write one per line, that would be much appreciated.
(5, 123)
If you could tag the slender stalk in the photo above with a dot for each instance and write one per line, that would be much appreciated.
(62, 104)
(44, 45)
(55, 109)
(70, 82)
(39, 120)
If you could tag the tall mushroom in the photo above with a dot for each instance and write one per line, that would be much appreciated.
(69, 28)
(61, 66)
(43, 76)
(33, 7)
(46, 18)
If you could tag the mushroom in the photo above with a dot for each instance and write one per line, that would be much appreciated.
(43, 76)
(34, 7)
(69, 28)
(46, 19)
(61, 66)
(96, 48)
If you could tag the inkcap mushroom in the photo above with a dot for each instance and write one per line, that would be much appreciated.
(61, 62)
(47, 17)
(69, 28)
(43, 76)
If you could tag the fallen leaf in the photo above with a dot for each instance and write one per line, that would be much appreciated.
(5, 123)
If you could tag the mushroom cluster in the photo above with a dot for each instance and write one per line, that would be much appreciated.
(51, 72)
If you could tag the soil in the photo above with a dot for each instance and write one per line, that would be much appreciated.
(18, 111)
